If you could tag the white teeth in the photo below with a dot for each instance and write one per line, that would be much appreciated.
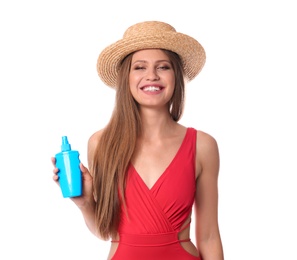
(151, 88)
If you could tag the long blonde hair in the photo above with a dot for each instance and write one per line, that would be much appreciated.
(117, 144)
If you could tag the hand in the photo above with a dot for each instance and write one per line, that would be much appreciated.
(55, 171)
(87, 197)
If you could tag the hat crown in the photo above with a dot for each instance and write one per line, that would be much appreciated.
(148, 28)
(150, 35)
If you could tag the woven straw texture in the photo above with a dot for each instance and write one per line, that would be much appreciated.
(151, 35)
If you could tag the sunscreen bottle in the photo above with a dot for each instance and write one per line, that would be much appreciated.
(70, 178)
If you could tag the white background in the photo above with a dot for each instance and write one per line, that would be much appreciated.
(245, 97)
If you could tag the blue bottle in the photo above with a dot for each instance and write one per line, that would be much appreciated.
(70, 178)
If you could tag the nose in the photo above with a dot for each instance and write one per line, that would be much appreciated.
(152, 74)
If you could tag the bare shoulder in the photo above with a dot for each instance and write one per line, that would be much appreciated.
(92, 144)
(207, 153)
(206, 142)
(95, 137)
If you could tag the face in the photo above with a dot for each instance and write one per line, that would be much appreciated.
(151, 78)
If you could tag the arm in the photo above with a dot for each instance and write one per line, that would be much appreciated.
(86, 202)
(206, 201)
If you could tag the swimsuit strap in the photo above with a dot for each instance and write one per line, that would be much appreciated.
(186, 226)
(184, 240)
(182, 229)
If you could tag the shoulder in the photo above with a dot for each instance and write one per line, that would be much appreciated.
(93, 142)
(207, 152)
(95, 137)
(205, 142)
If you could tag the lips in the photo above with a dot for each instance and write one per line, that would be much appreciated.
(151, 88)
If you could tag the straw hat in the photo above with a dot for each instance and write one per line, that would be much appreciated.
(150, 35)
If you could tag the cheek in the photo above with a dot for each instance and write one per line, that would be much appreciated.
(134, 79)
(134, 82)
(133, 88)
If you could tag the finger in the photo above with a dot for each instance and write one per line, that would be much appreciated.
(56, 178)
(55, 171)
(83, 168)
(53, 159)
(85, 172)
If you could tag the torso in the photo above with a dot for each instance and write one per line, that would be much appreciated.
(188, 246)
(151, 158)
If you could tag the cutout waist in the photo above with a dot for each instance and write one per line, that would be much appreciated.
(150, 239)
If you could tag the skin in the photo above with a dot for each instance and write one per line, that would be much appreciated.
(159, 142)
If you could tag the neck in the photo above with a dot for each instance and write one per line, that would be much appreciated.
(156, 123)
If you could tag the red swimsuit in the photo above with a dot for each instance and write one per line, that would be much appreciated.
(156, 215)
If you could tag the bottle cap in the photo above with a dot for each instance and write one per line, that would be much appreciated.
(65, 144)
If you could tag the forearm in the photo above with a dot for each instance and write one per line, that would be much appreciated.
(211, 249)
(88, 212)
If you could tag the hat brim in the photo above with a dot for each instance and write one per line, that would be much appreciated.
(189, 50)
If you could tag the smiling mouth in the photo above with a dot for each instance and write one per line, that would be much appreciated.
(151, 89)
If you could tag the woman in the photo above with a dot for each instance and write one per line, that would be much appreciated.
(147, 171)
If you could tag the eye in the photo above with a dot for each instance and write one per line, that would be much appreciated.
(164, 67)
(139, 68)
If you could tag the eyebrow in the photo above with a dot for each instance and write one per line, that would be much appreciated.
(144, 61)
